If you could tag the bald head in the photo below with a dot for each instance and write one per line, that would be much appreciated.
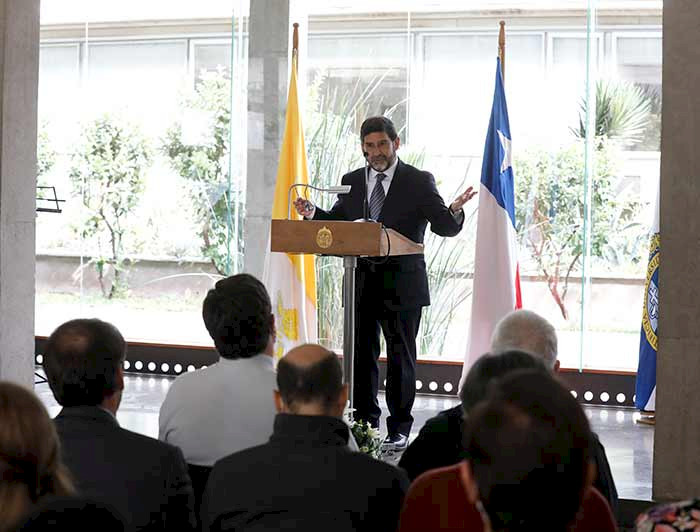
(526, 331)
(307, 355)
(310, 382)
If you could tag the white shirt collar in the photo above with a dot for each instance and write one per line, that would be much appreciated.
(389, 172)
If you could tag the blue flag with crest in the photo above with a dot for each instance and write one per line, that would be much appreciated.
(645, 389)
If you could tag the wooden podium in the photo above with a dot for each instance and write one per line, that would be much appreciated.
(348, 240)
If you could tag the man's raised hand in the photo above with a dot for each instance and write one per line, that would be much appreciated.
(463, 198)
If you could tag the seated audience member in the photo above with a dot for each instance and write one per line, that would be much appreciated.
(439, 442)
(527, 331)
(670, 517)
(75, 514)
(305, 477)
(228, 406)
(528, 468)
(30, 459)
(144, 479)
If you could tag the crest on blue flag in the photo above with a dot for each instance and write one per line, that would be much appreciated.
(650, 318)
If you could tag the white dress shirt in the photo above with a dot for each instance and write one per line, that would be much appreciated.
(226, 407)
(386, 182)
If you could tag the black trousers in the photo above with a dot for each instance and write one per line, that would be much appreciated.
(400, 328)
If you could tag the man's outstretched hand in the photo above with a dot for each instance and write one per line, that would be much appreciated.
(460, 200)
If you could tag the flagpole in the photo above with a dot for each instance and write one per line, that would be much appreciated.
(495, 291)
(295, 44)
(502, 48)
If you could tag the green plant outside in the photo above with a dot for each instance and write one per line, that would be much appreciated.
(549, 212)
(107, 173)
(203, 163)
(621, 112)
(549, 192)
(45, 154)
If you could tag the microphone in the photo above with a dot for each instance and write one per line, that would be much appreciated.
(365, 203)
(339, 189)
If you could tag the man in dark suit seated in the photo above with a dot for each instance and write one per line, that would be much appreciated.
(305, 477)
(390, 292)
(144, 479)
(439, 442)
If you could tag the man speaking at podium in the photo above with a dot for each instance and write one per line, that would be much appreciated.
(390, 292)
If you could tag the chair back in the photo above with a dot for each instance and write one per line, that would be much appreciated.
(199, 476)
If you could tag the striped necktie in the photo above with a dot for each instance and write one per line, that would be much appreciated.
(376, 201)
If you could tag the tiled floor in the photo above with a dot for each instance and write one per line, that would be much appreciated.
(629, 446)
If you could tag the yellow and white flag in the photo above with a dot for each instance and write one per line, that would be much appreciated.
(291, 279)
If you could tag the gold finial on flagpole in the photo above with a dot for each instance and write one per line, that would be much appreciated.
(295, 43)
(502, 48)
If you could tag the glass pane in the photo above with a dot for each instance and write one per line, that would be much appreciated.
(59, 105)
(468, 61)
(58, 245)
(439, 71)
(213, 57)
(627, 161)
(145, 160)
(370, 68)
(639, 63)
(349, 76)
(569, 53)
(140, 79)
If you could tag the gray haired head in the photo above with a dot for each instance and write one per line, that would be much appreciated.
(527, 331)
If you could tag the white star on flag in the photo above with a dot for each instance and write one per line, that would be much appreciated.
(505, 143)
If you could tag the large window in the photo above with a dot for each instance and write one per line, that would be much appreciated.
(136, 104)
(431, 69)
(161, 77)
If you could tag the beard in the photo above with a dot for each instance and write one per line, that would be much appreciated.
(381, 163)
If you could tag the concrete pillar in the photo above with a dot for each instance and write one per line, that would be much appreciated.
(268, 70)
(19, 76)
(677, 433)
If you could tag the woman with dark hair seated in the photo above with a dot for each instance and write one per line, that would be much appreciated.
(528, 467)
(30, 460)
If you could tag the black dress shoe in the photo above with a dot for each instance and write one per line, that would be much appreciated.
(395, 442)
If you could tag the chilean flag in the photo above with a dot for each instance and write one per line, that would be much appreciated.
(496, 289)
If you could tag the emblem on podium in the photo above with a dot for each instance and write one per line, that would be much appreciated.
(324, 237)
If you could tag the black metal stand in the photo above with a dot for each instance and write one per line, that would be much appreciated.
(40, 379)
(349, 265)
(56, 208)
(53, 200)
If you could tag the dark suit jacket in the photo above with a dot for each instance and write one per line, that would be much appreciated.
(304, 478)
(144, 479)
(412, 201)
(439, 444)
